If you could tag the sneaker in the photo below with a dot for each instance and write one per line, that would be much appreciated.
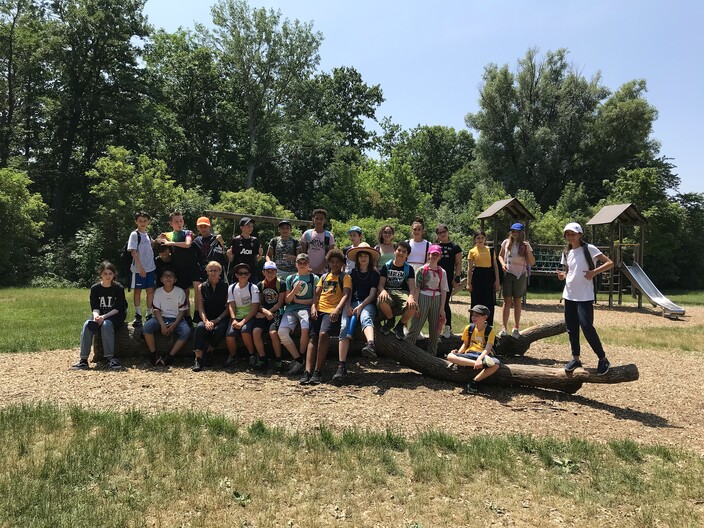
(137, 320)
(471, 388)
(278, 365)
(572, 364)
(81, 365)
(515, 334)
(160, 361)
(316, 378)
(398, 332)
(168, 360)
(502, 333)
(260, 364)
(230, 361)
(149, 316)
(252, 360)
(446, 332)
(339, 373)
(197, 367)
(421, 335)
(305, 379)
(488, 362)
(296, 368)
(387, 325)
(114, 363)
(603, 367)
(368, 350)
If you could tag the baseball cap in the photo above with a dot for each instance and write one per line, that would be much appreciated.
(269, 264)
(435, 249)
(246, 220)
(573, 226)
(355, 229)
(302, 256)
(480, 309)
(517, 227)
(285, 222)
(203, 220)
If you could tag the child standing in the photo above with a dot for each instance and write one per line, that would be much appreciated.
(272, 295)
(515, 256)
(451, 262)
(317, 242)
(143, 267)
(283, 250)
(578, 259)
(299, 297)
(360, 305)
(109, 307)
(482, 274)
(418, 254)
(170, 308)
(243, 304)
(355, 234)
(431, 292)
(245, 248)
(330, 297)
(477, 350)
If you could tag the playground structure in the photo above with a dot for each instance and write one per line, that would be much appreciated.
(627, 257)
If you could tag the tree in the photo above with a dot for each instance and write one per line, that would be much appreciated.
(24, 213)
(264, 60)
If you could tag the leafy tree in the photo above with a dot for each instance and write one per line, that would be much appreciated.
(24, 215)
(264, 60)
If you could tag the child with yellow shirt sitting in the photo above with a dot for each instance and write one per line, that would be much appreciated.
(476, 350)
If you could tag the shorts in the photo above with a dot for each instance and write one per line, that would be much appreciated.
(291, 319)
(182, 332)
(515, 286)
(397, 301)
(246, 329)
(143, 283)
(475, 355)
(323, 325)
(268, 325)
(185, 277)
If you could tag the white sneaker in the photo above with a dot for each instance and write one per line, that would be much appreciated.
(515, 334)
(446, 332)
(503, 333)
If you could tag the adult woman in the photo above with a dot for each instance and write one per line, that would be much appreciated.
(515, 256)
(211, 305)
(451, 262)
(385, 247)
(482, 274)
(579, 260)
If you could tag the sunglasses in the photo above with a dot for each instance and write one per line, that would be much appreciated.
(243, 273)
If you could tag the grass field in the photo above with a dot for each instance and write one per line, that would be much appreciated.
(74, 467)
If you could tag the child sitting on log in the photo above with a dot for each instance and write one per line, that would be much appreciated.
(477, 348)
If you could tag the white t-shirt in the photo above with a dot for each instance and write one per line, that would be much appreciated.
(243, 298)
(144, 251)
(434, 285)
(170, 303)
(419, 252)
(577, 287)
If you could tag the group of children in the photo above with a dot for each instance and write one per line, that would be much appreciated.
(311, 284)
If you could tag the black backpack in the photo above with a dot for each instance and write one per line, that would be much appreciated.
(126, 255)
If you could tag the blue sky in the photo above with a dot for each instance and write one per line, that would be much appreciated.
(429, 57)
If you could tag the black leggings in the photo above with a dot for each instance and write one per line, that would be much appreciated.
(581, 314)
(483, 280)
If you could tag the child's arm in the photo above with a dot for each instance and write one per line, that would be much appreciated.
(335, 315)
(495, 265)
(413, 292)
(381, 292)
(252, 312)
(458, 271)
(314, 302)
(470, 266)
(502, 253)
(530, 257)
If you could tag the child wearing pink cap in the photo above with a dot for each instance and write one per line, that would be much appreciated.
(431, 290)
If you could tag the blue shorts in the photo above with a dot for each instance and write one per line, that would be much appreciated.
(475, 356)
(143, 283)
(182, 332)
(246, 329)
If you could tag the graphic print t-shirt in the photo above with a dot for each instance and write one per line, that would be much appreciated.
(396, 277)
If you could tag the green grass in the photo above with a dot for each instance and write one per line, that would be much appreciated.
(75, 467)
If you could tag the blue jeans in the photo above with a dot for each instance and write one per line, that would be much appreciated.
(348, 324)
(107, 334)
(581, 314)
(182, 332)
(202, 337)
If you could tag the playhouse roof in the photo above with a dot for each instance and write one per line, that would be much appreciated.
(512, 206)
(626, 214)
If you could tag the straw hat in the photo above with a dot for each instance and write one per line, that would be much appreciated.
(366, 248)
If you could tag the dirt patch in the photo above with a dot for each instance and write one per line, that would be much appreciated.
(656, 409)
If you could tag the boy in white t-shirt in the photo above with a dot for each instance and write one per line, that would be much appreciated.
(143, 267)
(243, 304)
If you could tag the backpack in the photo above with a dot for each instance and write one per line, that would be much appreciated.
(487, 332)
(406, 268)
(424, 270)
(126, 257)
(427, 247)
(339, 278)
(590, 263)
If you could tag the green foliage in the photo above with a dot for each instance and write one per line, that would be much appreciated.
(250, 202)
(23, 214)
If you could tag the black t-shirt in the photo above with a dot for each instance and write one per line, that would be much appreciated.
(214, 299)
(269, 293)
(447, 259)
(362, 283)
(245, 250)
(107, 299)
(396, 277)
(207, 249)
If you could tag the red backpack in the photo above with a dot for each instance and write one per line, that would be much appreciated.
(424, 272)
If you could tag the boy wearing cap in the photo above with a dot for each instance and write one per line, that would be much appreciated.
(355, 234)
(143, 268)
(477, 350)
(515, 255)
(208, 246)
(299, 298)
(272, 295)
(170, 308)
(245, 248)
(283, 250)
(317, 242)
(243, 305)
(431, 291)
(396, 284)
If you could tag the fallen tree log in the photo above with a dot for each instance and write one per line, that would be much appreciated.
(508, 374)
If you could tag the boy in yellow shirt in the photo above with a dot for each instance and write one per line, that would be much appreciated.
(476, 350)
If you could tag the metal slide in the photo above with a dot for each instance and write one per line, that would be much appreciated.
(641, 281)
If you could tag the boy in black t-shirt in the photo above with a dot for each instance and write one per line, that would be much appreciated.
(245, 249)
(396, 283)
